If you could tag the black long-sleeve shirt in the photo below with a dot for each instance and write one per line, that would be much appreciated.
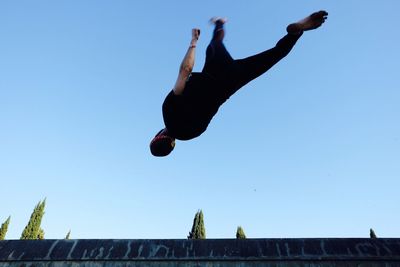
(187, 116)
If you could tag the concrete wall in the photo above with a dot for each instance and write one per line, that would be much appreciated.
(210, 252)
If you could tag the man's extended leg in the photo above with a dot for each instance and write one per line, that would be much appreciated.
(254, 66)
(217, 57)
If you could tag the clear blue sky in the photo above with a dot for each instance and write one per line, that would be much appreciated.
(310, 149)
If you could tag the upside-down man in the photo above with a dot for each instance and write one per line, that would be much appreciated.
(197, 96)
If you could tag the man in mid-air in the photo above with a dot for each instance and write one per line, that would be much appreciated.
(197, 96)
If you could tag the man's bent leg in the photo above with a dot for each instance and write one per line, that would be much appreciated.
(252, 67)
(217, 57)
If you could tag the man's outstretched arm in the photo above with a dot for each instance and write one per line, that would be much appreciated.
(187, 64)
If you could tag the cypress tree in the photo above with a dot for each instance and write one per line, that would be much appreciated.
(40, 235)
(68, 235)
(240, 233)
(372, 233)
(4, 228)
(198, 229)
(32, 229)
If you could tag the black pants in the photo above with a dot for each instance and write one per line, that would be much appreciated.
(234, 74)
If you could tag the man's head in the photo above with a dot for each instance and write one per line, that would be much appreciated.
(162, 144)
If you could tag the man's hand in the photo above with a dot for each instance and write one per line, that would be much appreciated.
(195, 36)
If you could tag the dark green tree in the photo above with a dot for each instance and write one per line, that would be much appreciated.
(32, 229)
(4, 228)
(68, 235)
(240, 233)
(372, 233)
(198, 229)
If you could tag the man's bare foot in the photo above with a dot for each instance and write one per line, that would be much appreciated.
(214, 20)
(311, 22)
